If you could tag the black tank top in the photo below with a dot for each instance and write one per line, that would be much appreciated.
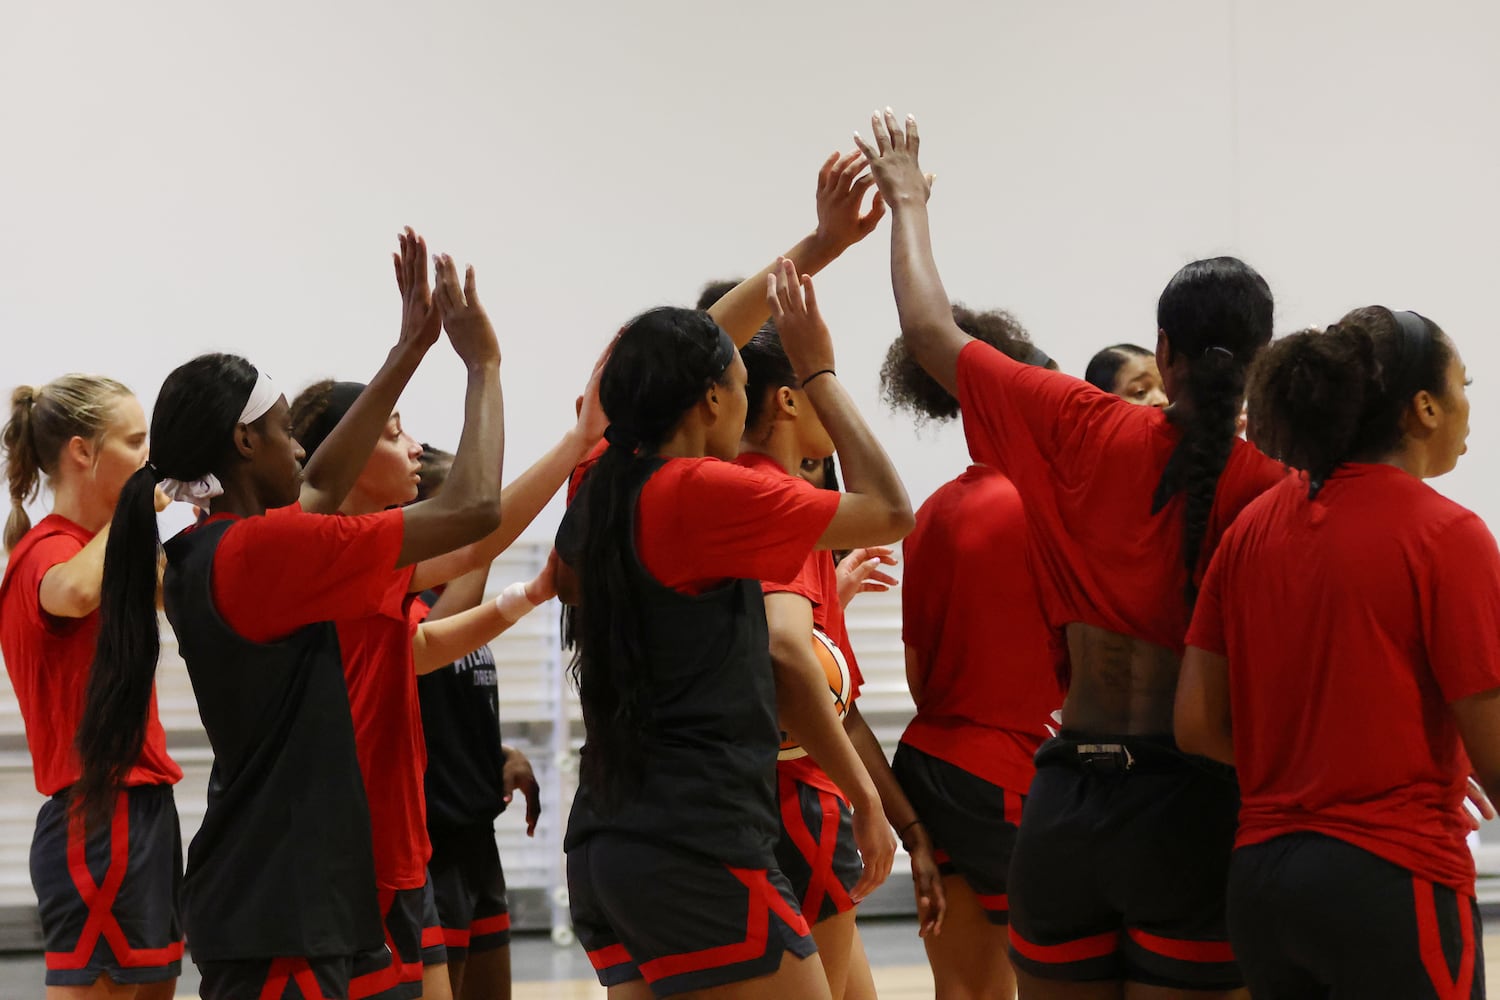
(465, 782)
(282, 864)
(710, 774)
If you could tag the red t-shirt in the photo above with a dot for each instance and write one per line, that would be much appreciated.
(49, 660)
(971, 616)
(382, 682)
(701, 522)
(1086, 464)
(287, 569)
(278, 573)
(1350, 623)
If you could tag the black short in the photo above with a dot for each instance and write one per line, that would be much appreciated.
(469, 884)
(394, 971)
(680, 920)
(276, 978)
(109, 901)
(1314, 917)
(972, 823)
(816, 849)
(1120, 867)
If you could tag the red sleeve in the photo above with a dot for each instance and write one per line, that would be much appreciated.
(418, 612)
(807, 583)
(275, 573)
(45, 554)
(1016, 415)
(1460, 606)
(1207, 629)
(575, 478)
(702, 520)
(397, 599)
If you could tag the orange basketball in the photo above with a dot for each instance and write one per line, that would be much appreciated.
(836, 669)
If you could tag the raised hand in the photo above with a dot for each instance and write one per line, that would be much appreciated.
(543, 587)
(591, 418)
(794, 307)
(842, 220)
(893, 160)
(468, 326)
(420, 321)
(860, 573)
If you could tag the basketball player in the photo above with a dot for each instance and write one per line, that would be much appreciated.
(1119, 869)
(110, 927)
(384, 652)
(981, 664)
(667, 541)
(817, 849)
(1342, 657)
(1129, 372)
(471, 776)
(279, 893)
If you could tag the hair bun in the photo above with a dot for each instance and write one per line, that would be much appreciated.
(25, 395)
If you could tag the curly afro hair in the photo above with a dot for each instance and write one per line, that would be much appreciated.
(904, 385)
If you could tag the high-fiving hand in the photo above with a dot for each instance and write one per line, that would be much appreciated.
(893, 160)
(420, 322)
(842, 220)
(468, 326)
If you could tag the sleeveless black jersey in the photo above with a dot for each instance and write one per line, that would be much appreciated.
(282, 864)
(461, 719)
(710, 774)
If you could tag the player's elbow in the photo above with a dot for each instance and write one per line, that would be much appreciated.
(480, 516)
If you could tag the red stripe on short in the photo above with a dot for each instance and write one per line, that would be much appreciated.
(1000, 903)
(608, 957)
(490, 925)
(1430, 943)
(455, 938)
(101, 898)
(940, 856)
(1183, 950)
(822, 882)
(764, 900)
(432, 937)
(285, 971)
(1080, 950)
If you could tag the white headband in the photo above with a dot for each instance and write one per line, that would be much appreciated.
(262, 398)
(200, 491)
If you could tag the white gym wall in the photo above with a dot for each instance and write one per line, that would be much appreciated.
(180, 177)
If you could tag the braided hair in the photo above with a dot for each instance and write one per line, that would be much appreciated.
(1216, 313)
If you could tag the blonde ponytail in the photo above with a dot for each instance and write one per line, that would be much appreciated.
(42, 421)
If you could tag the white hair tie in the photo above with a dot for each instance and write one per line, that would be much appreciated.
(197, 492)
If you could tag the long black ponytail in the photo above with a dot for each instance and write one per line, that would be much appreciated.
(1217, 313)
(192, 428)
(660, 367)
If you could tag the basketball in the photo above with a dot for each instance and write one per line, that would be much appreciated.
(836, 670)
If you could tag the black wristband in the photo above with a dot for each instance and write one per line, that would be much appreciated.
(821, 371)
(901, 834)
